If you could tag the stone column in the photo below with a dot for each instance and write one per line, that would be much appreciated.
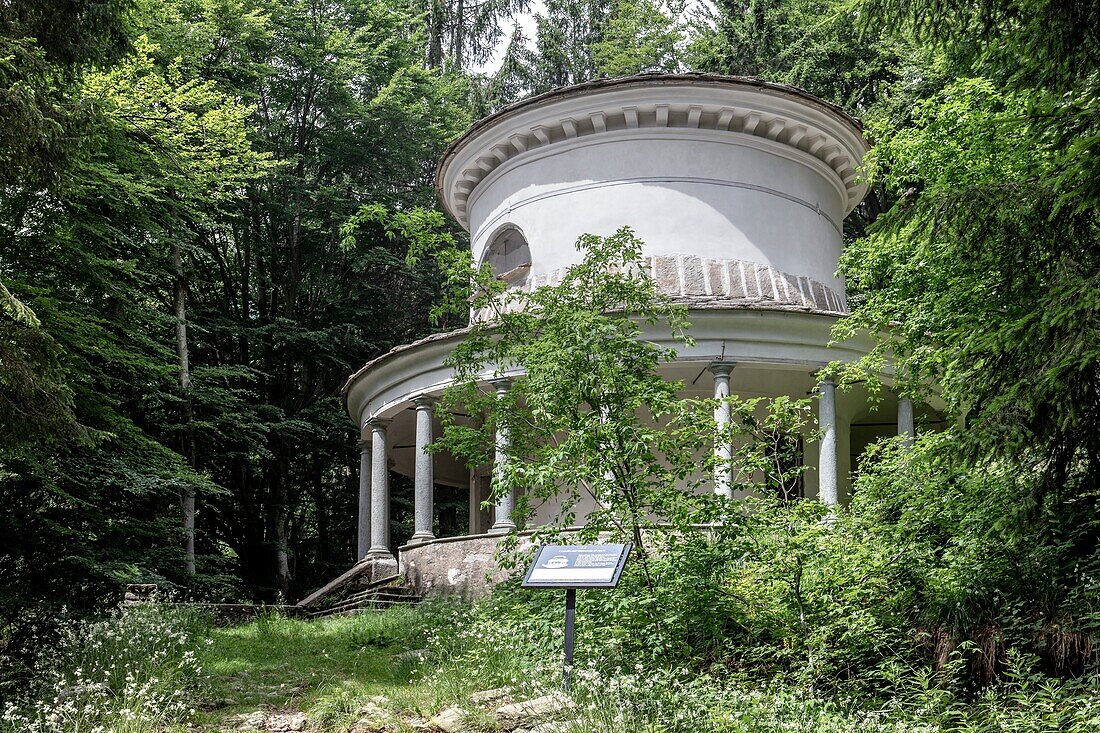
(826, 462)
(506, 501)
(906, 425)
(363, 544)
(723, 448)
(474, 501)
(423, 499)
(379, 493)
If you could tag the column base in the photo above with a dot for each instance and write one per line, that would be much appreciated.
(422, 537)
(382, 565)
(502, 528)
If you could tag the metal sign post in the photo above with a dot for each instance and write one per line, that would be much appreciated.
(572, 567)
(570, 622)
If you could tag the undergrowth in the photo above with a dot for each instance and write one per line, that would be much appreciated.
(133, 671)
(163, 669)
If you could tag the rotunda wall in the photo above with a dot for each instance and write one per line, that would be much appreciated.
(725, 171)
(682, 192)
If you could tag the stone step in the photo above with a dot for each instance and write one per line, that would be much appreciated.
(365, 602)
(352, 576)
(344, 610)
(388, 591)
(370, 600)
(348, 612)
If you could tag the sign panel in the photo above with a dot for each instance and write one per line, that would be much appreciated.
(577, 566)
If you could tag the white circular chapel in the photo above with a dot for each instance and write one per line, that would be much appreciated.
(738, 188)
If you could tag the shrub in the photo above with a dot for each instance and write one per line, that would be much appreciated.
(134, 671)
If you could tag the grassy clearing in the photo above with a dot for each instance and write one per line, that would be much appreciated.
(163, 670)
(279, 662)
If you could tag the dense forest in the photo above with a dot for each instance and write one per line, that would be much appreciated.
(211, 212)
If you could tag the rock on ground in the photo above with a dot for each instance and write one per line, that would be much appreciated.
(542, 728)
(372, 719)
(449, 720)
(286, 722)
(532, 711)
(367, 725)
(273, 722)
(490, 697)
(547, 728)
(372, 709)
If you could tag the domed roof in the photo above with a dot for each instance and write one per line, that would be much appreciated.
(743, 106)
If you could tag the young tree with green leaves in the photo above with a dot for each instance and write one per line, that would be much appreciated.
(590, 419)
(641, 35)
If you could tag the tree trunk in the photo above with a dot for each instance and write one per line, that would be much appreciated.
(459, 37)
(320, 508)
(435, 34)
(279, 519)
(187, 500)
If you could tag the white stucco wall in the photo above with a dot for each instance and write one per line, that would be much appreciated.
(681, 193)
(713, 167)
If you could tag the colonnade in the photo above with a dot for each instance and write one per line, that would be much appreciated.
(374, 490)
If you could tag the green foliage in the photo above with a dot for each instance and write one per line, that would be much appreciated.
(589, 389)
(169, 670)
(136, 670)
(813, 44)
(462, 35)
(981, 574)
(513, 639)
(640, 35)
(241, 136)
(591, 423)
(284, 150)
(981, 282)
(87, 475)
(580, 40)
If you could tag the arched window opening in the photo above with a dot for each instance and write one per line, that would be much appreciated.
(508, 255)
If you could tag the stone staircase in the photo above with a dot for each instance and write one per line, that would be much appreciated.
(380, 594)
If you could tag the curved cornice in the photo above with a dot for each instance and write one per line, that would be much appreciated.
(745, 107)
(783, 338)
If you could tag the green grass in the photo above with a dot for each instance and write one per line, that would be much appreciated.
(339, 670)
(276, 662)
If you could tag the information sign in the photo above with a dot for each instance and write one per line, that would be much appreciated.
(577, 566)
(572, 567)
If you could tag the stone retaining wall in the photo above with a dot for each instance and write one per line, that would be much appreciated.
(463, 566)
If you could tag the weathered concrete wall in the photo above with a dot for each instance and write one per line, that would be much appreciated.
(463, 566)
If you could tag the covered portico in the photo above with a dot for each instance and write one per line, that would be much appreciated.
(747, 352)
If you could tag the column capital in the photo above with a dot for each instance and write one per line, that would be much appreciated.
(379, 423)
(425, 402)
(721, 368)
(364, 444)
(501, 384)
